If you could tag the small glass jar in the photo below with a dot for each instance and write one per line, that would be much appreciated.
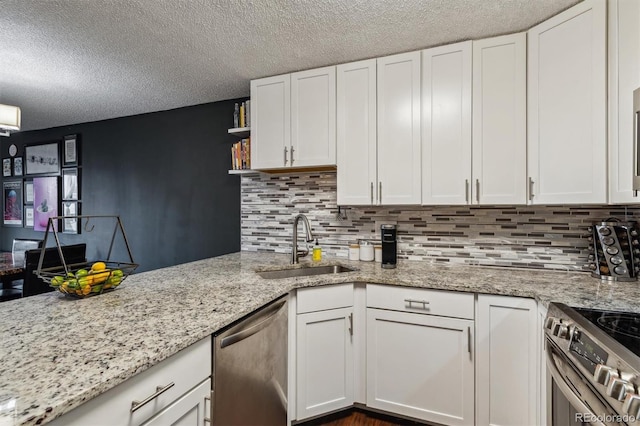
(366, 251)
(377, 249)
(354, 252)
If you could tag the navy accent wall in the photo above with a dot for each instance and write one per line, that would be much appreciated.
(164, 173)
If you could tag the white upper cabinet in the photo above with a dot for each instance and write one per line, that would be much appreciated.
(293, 120)
(270, 122)
(500, 120)
(624, 78)
(446, 124)
(357, 180)
(313, 117)
(398, 87)
(567, 139)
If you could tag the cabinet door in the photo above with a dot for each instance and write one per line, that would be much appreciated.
(446, 124)
(271, 122)
(324, 362)
(189, 410)
(356, 133)
(624, 78)
(313, 117)
(420, 366)
(500, 120)
(506, 348)
(399, 129)
(567, 140)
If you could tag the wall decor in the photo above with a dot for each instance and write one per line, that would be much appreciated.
(70, 224)
(43, 158)
(71, 150)
(17, 166)
(28, 191)
(70, 184)
(6, 167)
(28, 216)
(13, 150)
(45, 201)
(12, 203)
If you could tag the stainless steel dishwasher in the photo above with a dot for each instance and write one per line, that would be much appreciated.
(250, 369)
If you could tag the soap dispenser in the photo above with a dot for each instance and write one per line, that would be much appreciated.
(316, 254)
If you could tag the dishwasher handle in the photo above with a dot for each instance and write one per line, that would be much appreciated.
(262, 319)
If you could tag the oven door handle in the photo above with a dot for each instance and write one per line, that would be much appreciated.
(564, 387)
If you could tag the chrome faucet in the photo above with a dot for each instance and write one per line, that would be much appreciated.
(295, 253)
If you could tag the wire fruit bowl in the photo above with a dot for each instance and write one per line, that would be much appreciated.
(86, 279)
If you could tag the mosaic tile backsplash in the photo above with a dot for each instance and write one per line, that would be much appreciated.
(549, 237)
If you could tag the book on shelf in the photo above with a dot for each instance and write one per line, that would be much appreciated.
(242, 114)
(241, 155)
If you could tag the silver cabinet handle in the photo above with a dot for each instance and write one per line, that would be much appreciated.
(466, 190)
(380, 192)
(351, 323)
(372, 193)
(424, 303)
(530, 188)
(285, 155)
(136, 405)
(206, 419)
(292, 155)
(469, 339)
(478, 190)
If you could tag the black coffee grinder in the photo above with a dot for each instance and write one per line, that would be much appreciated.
(389, 246)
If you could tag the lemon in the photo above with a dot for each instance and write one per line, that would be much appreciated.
(98, 266)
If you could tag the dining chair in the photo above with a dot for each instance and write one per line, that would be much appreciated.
(12, 284)
(73, 254)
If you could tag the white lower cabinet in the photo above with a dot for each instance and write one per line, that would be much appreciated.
(192, 409)
(324, 351)
(420, 366)
(172, 389)
(507, 352)
(420, 360)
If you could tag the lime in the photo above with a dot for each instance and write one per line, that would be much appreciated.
(57, 281)
(81, 273)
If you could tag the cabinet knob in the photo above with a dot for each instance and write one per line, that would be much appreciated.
(619, 388)
(632, 404)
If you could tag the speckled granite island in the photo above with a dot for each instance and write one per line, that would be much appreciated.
(58, 352)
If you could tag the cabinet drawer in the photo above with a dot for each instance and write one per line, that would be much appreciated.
(185, 370)
(436, 302)
(322, 298)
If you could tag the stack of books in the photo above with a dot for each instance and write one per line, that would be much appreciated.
(242, 115)
(241, 155)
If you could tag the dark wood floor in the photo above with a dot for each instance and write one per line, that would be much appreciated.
(357, 417)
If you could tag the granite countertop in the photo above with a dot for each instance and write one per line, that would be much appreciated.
(59, 352)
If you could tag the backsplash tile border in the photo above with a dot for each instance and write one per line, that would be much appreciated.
(539, 237)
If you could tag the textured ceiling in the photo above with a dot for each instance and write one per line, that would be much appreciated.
(73, 61)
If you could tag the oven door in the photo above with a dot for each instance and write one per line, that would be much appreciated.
(587, 406)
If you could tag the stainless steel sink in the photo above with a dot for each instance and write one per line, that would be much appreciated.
(304, 272)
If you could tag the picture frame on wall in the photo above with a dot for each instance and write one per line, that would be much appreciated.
(42, 159)
(70, 184)
(28, 191)
(6, 167)
(28, 216)
(45, 202)
(12, 203)
(70, 224)
(71, 151)
(17, 166)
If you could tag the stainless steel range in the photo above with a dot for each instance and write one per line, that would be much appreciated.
(593, 357)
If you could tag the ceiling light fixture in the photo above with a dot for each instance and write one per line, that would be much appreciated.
(9, 119)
